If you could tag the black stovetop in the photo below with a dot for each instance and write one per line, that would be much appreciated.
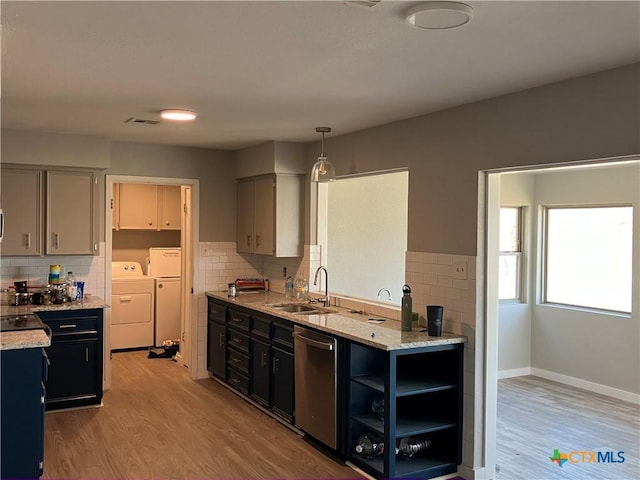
(9, 323)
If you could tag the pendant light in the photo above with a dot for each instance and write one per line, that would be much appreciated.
(322, 170)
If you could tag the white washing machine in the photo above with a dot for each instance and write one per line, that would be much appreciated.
(132, 306)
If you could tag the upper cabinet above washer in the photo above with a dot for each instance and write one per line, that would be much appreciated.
(138, 206)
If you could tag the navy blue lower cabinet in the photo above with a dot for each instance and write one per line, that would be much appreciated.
(411, 399)
(76, 357)
(22, 411)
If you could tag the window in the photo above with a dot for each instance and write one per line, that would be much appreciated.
(588, 253)
(363, 233)
(510, 269)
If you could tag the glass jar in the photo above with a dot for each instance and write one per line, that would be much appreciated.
(301, 289)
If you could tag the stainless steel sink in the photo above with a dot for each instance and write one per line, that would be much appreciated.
(299, 308)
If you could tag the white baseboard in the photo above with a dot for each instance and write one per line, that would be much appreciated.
(591, 386)
(514, 372)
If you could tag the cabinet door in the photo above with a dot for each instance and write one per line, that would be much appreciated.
(73, 371)
(70, 207)
(261, 378)
(264, 219)
(22, 207)
(283, 383)
(138, 206)
(245, 216)
(169, 207)
(22, 442)
(216, 349)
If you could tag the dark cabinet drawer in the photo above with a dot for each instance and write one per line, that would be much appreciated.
(238, 340)
(238, 360)
(238, 381)
(239, 320)
(261, 327)
(74, 326)
(283, 336)
(216, 312)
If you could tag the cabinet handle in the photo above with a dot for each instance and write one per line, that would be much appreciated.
(236, 319)
(235, 380)
(56, 240)
(236, 360)
(222, 339)
(264, 359)
(150, 222)
(237, 339)
(86, 354)
(248, 240)
(257, 240)
(70, 325)
(275, 364)
(42, 399)
(27, 239)
(167, 223)
(124, 299)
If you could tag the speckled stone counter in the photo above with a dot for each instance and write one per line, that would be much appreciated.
(38, 338)
(343, 323)
(87, 303)
(24, 339)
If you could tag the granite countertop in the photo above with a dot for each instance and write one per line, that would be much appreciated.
(343, 323)
(38, 338)
(24, 339)
(87, 303)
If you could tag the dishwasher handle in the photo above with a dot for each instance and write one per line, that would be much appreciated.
(314, 343)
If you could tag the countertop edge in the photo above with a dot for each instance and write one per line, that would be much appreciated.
(358, 330)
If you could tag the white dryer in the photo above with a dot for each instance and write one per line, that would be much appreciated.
(132, 306)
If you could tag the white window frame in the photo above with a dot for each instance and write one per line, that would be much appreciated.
(544, 259)
(519, 255)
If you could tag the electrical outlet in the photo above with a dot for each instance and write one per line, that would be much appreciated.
(460, 269)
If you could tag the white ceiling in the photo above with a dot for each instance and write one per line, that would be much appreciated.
(257, 71)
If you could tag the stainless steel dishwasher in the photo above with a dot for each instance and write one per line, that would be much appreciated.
(315, 380)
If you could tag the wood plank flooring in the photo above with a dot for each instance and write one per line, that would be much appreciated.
(157, 423)
(536, 416)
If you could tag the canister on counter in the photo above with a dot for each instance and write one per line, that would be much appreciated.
(54, 273)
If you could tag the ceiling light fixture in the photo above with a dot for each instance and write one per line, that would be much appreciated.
(178, 115)
(439, 15)
(322, 170)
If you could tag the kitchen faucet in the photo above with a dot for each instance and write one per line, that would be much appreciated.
(325, 300)
(385, 290)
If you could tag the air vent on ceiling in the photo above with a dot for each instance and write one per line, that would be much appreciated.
(363, 3)
(141, 121)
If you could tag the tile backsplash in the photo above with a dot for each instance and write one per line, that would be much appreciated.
(35, 270)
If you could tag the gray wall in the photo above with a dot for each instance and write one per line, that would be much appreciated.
(595, 347)
(588, 117)
(212, 167)
(514, 321)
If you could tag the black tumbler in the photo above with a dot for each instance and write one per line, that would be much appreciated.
(434, 320)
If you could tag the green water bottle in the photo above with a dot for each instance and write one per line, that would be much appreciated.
(407, 309)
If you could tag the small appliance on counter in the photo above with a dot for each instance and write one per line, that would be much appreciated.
(250, 284)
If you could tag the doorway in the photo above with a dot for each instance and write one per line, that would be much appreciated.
(489, 307)
(187, 237)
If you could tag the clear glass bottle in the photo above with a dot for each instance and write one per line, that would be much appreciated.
(71, 287)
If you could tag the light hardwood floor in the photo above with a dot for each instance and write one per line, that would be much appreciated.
(157, 423)
(536, 416)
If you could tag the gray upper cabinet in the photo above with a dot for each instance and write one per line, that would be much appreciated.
(270, 215)
(21, 194)
(70, 213)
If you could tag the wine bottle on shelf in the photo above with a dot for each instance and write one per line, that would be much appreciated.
(410, 447)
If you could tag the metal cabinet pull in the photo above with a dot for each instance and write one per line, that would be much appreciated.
(237, 339)
(222, 339)
(27, 240)
(150, 222)
(275, 364)
(70, 325)
(167, 223)
(264, 359)
(56, 240)
(236, 360)
(235, 380)
(236, 319)
(86, 354)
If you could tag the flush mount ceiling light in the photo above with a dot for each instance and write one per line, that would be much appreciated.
(322, 170)
(178, 115)
(439, 15)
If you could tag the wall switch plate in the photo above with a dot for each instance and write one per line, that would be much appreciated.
(460, 269)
